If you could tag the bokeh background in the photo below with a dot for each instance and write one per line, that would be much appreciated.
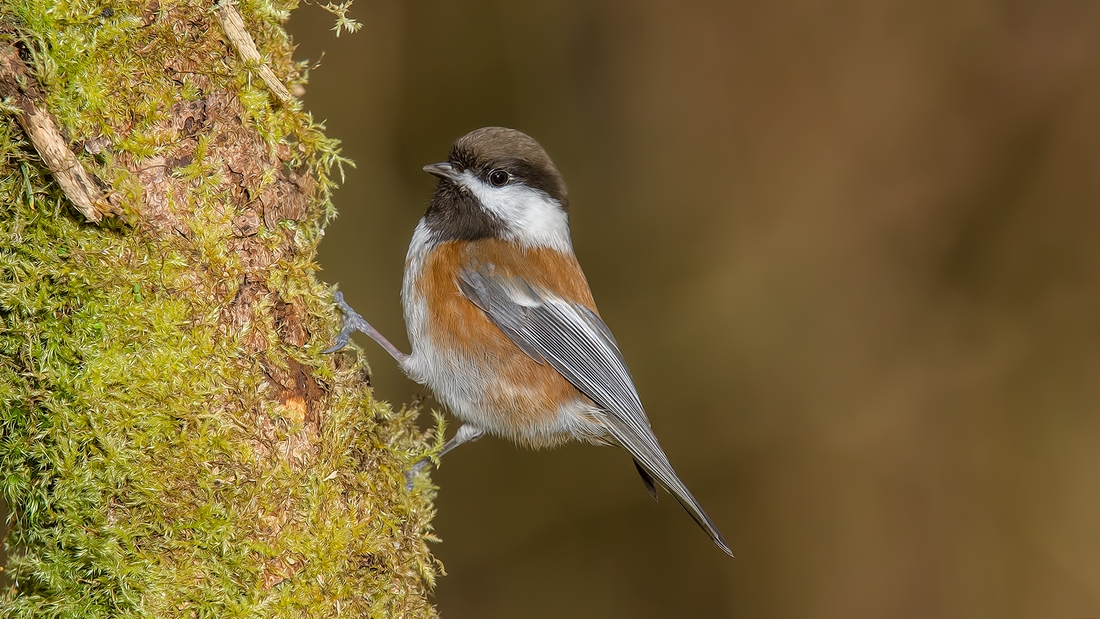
(851, 251)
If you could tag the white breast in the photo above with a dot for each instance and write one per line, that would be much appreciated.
(455, 381)
(415, 306)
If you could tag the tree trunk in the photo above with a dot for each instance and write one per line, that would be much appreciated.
(172, 443)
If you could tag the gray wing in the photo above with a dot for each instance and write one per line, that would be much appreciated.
(574, 341)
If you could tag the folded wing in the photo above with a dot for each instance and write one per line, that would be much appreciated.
(574, 341)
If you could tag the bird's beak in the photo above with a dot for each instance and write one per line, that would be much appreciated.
(442, 170)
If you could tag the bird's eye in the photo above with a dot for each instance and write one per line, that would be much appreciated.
(498, 178)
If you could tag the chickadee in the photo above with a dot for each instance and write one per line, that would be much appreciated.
(502, 322)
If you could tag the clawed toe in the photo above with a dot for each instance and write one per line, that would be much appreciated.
(352, 323)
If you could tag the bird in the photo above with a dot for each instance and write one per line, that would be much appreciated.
(502, 323)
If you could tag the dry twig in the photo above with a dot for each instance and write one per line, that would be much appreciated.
(19, 87)
(233, 26)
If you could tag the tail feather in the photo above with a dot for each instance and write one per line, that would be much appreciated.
(647, 479)
(650, 459)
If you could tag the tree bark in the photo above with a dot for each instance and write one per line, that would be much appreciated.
(172, 443)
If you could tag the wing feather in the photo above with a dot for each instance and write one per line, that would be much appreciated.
(576, 343)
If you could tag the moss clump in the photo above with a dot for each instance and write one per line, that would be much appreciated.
(171, 441)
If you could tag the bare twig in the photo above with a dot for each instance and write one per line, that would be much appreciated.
(233, 27)
(19, 87)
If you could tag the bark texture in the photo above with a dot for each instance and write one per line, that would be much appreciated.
(172, 444)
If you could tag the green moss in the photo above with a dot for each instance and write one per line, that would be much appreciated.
(150, 467)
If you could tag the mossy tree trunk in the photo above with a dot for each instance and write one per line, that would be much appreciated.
(172, 444)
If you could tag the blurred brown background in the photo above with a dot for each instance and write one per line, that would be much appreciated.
(851, 252)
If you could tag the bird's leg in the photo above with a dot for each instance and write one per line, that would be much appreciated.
(466, 433)
(354, 322)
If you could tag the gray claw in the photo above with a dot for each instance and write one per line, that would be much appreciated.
(335, 347)
(413, 470)
(341, 341)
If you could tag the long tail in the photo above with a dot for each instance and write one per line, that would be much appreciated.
(648, 456)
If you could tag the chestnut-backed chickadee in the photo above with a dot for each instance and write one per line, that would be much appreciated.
(502, 323)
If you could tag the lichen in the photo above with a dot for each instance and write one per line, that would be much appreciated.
(172, 442)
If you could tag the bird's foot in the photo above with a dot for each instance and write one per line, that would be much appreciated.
(354, 322)
(466, 433)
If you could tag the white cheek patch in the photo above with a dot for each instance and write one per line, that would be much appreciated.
(532, 218)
